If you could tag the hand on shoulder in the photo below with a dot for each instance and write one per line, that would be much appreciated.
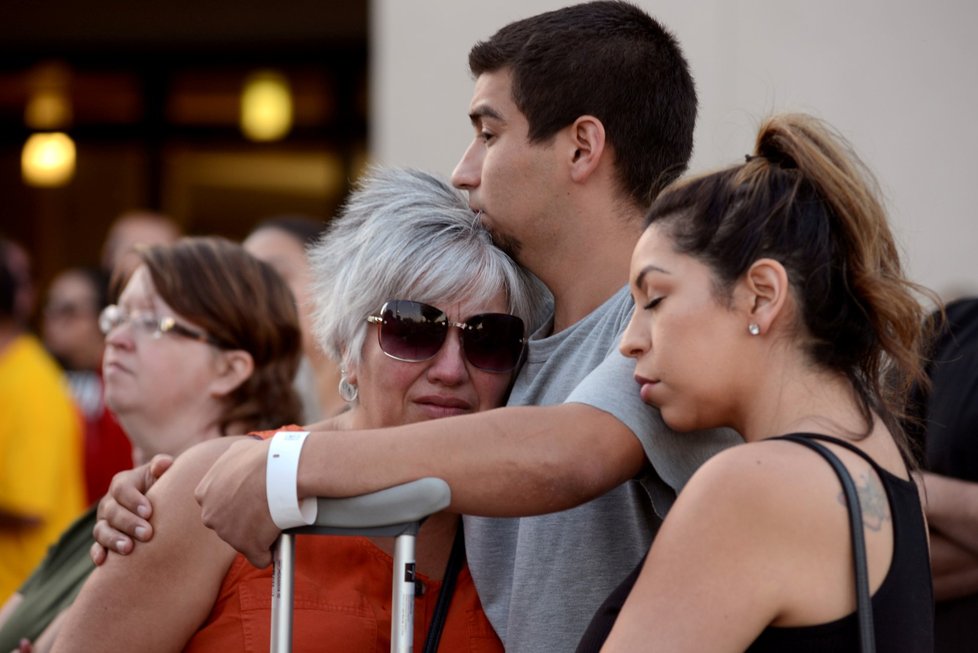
(124, 513)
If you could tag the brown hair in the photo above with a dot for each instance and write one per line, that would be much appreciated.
(241, 303)
(805, 199)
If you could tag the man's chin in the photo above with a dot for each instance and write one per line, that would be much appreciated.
(508, 244)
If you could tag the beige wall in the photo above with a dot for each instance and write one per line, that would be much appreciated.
(899, 78)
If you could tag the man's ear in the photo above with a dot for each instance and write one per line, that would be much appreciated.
(234, 367)
(766, 292)
(587, 144)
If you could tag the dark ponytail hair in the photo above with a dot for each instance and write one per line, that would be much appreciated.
(806, 200)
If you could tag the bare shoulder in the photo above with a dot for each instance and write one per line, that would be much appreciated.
(173, 494)
(156, 597)
(195, 461)
(754, 465)
(777, 509)
(776, 478)
(740, 526)
(176, 514)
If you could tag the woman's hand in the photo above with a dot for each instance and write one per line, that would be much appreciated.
(124, 512)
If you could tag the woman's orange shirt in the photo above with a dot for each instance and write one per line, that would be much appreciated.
(342, 602)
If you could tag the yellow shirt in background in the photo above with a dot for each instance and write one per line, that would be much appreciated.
(40, 458)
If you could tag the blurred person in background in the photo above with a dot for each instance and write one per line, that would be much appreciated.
(41, 488)
(203, 343)
(18, 263)
(131, 231)
(947, 428)
(74, 300)
(283, 243)
(71, 333)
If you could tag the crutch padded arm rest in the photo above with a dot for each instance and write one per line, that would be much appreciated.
(388, 512)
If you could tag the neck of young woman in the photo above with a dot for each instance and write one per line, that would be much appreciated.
(804, 398)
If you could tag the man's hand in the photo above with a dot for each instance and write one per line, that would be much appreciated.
(233, 501)
(124, 511)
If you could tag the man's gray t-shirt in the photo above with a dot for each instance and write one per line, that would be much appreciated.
(540, 579)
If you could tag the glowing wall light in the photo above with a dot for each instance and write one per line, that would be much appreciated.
(48, 159)
(266, 106)
(47, 109)
(49, 102)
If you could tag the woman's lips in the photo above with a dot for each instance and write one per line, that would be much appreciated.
(436, 406)
(112, 366)
(646, 387)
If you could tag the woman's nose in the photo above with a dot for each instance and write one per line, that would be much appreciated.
(120, 335)
(635, 340)
(448, 365)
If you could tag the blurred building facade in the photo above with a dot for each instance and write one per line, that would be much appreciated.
(150, 95)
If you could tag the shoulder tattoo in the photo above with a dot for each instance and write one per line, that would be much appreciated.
(872, 500)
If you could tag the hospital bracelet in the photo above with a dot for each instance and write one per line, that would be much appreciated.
(281, 481)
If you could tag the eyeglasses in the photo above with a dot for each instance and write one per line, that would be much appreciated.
(414, 332)
(113, 316)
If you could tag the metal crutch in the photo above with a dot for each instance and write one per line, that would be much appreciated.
(395, 512)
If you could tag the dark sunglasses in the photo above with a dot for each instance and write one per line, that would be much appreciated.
(414, 332)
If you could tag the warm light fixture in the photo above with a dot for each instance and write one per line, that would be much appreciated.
(48, 103)
(266, 106)
(48, 159)
(47, 109)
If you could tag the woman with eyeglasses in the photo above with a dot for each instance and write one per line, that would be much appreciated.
(204, 342)
(427, 319)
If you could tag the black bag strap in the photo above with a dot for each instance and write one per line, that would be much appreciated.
(864, 606)
(845, 444)
(455, 561)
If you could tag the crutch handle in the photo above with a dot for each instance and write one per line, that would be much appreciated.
(396, 512)
(387, 512)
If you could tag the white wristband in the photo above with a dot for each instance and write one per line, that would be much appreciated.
(281, 472)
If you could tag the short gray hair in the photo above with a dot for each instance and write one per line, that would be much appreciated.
(406, 234)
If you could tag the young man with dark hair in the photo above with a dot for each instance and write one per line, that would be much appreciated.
(580, 116)
(609, 60)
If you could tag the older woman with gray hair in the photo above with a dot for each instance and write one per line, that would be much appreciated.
(446, 259)
(428, 319)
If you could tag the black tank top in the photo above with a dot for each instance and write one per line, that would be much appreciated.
(903, 606)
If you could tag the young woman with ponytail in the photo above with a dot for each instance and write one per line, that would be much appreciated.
(769, 297)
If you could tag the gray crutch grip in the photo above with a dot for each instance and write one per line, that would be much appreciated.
(397, 511)
(387, 512)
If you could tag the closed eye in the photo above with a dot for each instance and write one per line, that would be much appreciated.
(652, 303)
